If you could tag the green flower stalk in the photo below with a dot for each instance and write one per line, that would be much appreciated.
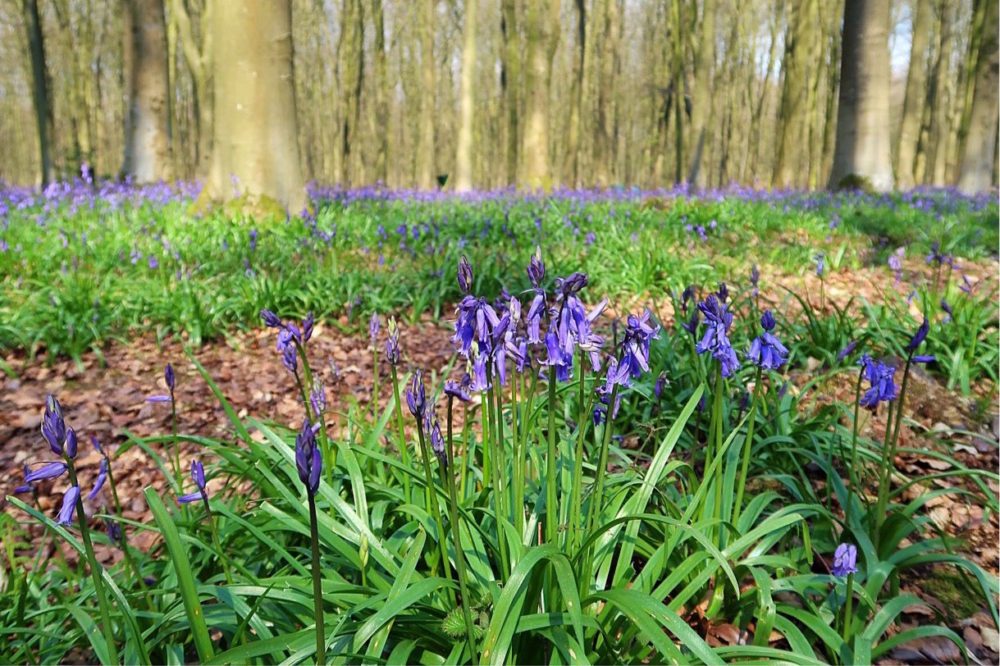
(448, 477)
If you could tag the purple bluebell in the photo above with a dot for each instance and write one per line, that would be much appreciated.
(416, 395)
(766, 351)
(457, 389)
(271, 320)
(882, 388)
(533, 320)
(308, 458)
(71, 443)
(536, 269)
(723, 292)
(50, 470)
(465, 275)
(69, 505)
(967, 285)
(661, 383)
(924, 358)
(198, 477)
(26, 487)
(919, 336)
(820, 259)
(845, 560)
(691, 325)
(896, 263)
(289, 359)
(947, 309)
(476, 320)
(716, 339)
(102, 476)
(392, 343)
(307, 328)
(557, 359)
(635, 346)
(373, 328)
(437, 443)
(754, 279)
(317, 398)
(168, 376)
(686, 297)
(480, 376)
(846, 351)
(158, 398)
(936, 255)
(113, 530)
(53, 425)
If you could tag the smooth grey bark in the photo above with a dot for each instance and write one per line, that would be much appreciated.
(255, 149)
(862, 150)
(913, 103)
(147, 156)
(977, 166)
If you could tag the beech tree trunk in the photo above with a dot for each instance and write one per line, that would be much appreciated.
(382, 93)
(976, 172)
(542, 34)
(425, 138)
(913, 103)
(463, 151)
(702, 109)
(147, 129)
(793, 97)
(572, 162)
(862, 151)
(255, 149)
(41, 91)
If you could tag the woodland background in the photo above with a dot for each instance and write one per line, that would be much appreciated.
(578, 92)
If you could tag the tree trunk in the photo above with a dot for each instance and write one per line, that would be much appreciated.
(351, 80)
(793, 92)
(255, 148)
(425, 139)
(542, 33)
(510, 74)
(913, 103)
(41, 90)
(147, 156)
(976, 173)
(702, 107)
(862, 151)
(382, 94)
(463, 152)
(199, 61)
(572, 162)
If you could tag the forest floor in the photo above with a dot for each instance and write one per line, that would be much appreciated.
(105, 396)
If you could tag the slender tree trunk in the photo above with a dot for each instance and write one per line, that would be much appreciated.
(351, 81)
(382, 94)
(702, 108)
(813, 142)
(255, 150)
(425, 139)
(147, 130)
(463, 152)
(913, 103)
(862, 147)
(572, 161)
(542, 33)
(758, 110)
(934, 129)
(41, 91)
(793, 93)
(199, 61)
(510, 74)
(832, 90)
(679, 89)
(605, 94)
(977, 165)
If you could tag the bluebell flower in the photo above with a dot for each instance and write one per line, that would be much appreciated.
(168, 377)
(373, 327)
(947, 309)
(635, 345)
(919, 336)
(557, 359)
(459, 389)
(437, 443)
(820, 259)
(686, 297)
(846, 351)
(317, 398)
(465, 275)
(69, 505)
(845, 560)
(102, 476)
(766, 351)
(50, 470)
(26, 487)
(691, 325)
(271, 320)
(198, 477)
(392, 343)
(289, 358)
(307, 328)
(308, 458)
(716, 339)
(70, 445)
(882, 388)
(53, 425)
(923, 358)
(723, 292)
(754, 279)
(416, 395)
(536, 269)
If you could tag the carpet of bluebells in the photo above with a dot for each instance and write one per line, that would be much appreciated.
(622, 463)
